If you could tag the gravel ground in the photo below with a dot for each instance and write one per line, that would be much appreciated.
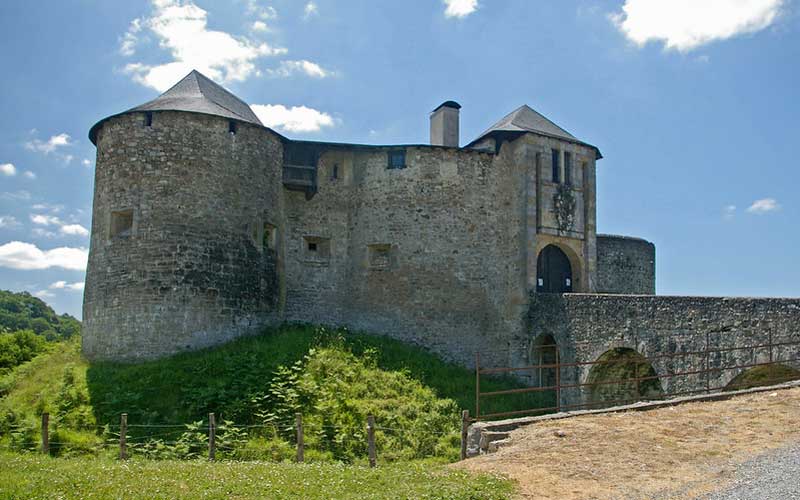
(774, 475)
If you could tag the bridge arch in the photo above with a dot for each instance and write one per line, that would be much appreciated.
(613, 378)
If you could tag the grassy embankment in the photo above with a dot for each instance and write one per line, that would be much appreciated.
(256, 385)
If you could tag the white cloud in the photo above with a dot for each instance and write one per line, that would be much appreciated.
(26, 256)
(74, 229)
(63, 285)
(51, 145)
(312, 69)
(29, 175)
(8, 169)
(254, 9)
(86, 163)
(44, 294)
(182, 29)
(310, 10)
(45, 220)
(460, 8)
(48, 207)
(21, 195)
(259, 26)
(8, 221)
(128, 41)
(764, 206)
(684, 25)
(294, 119)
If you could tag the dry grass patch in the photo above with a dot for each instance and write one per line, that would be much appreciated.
(676, 452)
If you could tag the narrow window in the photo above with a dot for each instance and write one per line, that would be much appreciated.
(556, 166)
(148, 119)
(270, 237)
(380, 256)
(568, 168)
(121, 224)
(232, 127)
(316, 249)
(397, 159)
(312, 246)
(335, 172)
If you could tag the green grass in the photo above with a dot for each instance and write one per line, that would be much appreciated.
(38, 477)
(335, 378)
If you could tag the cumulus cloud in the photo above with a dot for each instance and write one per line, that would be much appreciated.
(182, 29)
(460, 8)
(312, 69)
(45, 220)
(8, 221)
(684, 25)
(63, 285)
(254, 8)
(29, 175)
(50, 145)
(27, 256)
(44, 294)
(74, 229)
(8, 169)
(294, 119)
(128, 41)
(259, 26)
(764, 206)
(310, 10)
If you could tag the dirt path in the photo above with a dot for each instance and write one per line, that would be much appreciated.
(677, 452)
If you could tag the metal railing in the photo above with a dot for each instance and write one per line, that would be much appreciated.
(693, 363)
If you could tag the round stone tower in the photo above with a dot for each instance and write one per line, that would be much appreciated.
(185, 225)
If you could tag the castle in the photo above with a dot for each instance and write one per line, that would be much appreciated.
(208, 225)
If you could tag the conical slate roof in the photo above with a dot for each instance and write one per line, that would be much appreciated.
(198, 94)
(526, 119)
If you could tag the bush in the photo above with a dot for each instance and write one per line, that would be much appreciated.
(18, 347)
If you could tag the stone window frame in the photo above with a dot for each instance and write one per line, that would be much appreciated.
(380, 256)
(555, 166)
(121, 224)
(316, 249)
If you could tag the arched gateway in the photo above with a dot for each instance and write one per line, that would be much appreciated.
(553, 271)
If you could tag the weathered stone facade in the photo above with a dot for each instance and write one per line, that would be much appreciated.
(665, 329)
(625, 265)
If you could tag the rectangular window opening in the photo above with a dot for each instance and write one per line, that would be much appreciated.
(148, 119)
(270, 237)
(232, 127)
(316, 249)
(121, 223)
(555, 154)
(397, 159)
(380, 256)
(335, 172)
(568, 168)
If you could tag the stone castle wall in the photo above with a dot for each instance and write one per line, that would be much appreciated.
(431, 253)
(189, 273)
(587, 325)
(625, 265)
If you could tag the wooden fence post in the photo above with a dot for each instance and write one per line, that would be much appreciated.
(212, 437)
(46, 433)
(123, 430)
(300, 444)
(371, 440)
(464, 429)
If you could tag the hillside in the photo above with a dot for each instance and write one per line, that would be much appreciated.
(256, 385)
(23, 311)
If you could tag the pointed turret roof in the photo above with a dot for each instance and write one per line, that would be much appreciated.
(198, 94)
(526, 119)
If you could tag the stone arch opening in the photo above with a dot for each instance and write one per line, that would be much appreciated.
(554, 271)
(617, 378)
(763, 375)
(544, 351)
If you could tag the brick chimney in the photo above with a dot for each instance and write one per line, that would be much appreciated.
(444, 125)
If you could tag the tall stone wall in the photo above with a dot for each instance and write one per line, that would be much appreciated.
(666, 328)
(432, 253)
(625, 265)
(190, 272)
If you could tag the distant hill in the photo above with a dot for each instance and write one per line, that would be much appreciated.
(23, 311)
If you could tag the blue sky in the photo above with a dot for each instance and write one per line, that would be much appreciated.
(693, 104)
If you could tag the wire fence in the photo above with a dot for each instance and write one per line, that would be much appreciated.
(623, 376)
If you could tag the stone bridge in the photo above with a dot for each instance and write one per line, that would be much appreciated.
(671, 332)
